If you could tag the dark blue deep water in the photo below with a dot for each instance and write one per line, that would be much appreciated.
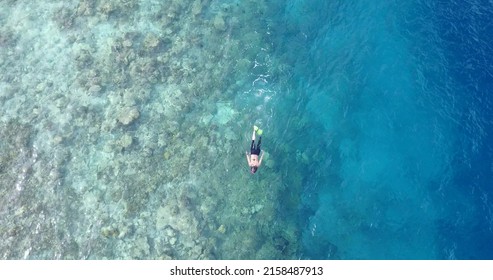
(395, 102)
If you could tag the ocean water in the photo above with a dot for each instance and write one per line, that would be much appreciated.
(125, 123)
(399, 92)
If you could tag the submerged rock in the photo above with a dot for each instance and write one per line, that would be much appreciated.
(224, 114)
(127, 115)
(219, 23)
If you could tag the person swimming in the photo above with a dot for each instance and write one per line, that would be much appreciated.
(253, 159)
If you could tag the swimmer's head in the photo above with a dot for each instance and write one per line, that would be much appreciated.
(253, 169)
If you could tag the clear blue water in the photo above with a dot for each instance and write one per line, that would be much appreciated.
(125, 123)
(397, 101)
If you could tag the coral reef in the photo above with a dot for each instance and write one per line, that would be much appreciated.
(123, 133)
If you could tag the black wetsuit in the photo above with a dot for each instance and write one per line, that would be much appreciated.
(255, 150)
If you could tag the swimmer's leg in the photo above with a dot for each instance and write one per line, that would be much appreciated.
(252, 147)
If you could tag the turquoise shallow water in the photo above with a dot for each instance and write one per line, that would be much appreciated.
(125, 124)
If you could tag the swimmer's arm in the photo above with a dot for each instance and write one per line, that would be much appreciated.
(248, 159)
(261, 156)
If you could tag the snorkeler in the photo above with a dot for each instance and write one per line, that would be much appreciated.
(253, 160)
